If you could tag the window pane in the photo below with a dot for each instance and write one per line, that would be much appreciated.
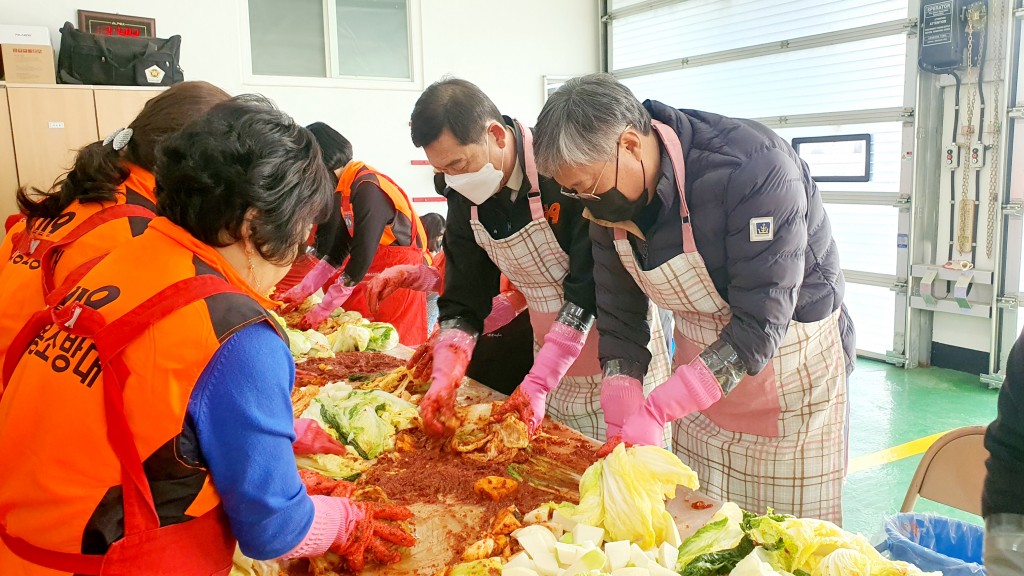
(865, 235)
(696, 27)
(287, 38)
(852, 76)
(886, 155)
(373, 38)
(620, 4)
(873, 311)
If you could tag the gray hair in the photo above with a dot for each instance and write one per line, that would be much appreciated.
(581, 122)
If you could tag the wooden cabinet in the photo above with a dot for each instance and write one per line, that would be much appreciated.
(42, 128)
(116, 108)
(8, 167)
(49, 127)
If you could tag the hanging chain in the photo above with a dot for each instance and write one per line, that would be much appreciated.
(964, 236)
(996, 127)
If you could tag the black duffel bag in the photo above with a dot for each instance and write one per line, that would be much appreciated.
(117, 60)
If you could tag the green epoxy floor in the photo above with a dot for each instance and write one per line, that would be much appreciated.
(891, 406)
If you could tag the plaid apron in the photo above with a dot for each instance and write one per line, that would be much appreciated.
(778, 439)
(536, 265)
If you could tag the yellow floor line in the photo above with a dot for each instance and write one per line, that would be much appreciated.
(882, 457)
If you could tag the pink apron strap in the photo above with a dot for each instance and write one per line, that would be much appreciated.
(473, 213)
(531, 164)
(675, 156)
(536, 206)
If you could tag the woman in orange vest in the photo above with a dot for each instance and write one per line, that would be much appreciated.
(106, 199)
(164, 429)
(374, 226)
(503, 355)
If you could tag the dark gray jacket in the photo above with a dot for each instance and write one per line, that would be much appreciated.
(736, 171)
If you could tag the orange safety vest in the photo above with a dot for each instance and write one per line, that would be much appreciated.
(404, 242)
(95, 409)
(407, 225)
(34, 262)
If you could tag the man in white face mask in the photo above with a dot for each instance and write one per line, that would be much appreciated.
(505, 219)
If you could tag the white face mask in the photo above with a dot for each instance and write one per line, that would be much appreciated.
(478, 186)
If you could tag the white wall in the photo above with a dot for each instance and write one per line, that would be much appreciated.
(505, 47)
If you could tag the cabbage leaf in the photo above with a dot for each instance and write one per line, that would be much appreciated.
(625, 494)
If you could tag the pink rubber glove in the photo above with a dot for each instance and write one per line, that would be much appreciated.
(336, 295)
(621, 397)
(420, 277)
(504, 309)
(310, 438)
(562, 345)
(452, 351)
(311, 283)
(355, 531)
(422, 361)
(334, 521)
(690, 388)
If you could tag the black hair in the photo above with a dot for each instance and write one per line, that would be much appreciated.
(455, 104)
(336, 149)
(244, 159)
(433, 226)
(99, 169)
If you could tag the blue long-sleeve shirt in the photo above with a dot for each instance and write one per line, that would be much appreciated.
(242, 413)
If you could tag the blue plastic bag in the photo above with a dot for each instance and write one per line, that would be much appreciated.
(935, 543)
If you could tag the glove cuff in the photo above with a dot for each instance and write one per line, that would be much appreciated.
(705, 389)
(323, 532)
(419, 277)
(425, 279)
(451, 339)
(566, 339)
(622, 367)
(724, 364)
(323, 267)
(575, 317)
(456, 325)
(336, 295)
(621, 397)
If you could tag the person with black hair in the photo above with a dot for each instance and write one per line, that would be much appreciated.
(164, 430)
(503, 218)
(433, 224)
(106, 199)
(374, 225)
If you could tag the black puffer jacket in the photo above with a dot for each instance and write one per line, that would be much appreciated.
(738, 173)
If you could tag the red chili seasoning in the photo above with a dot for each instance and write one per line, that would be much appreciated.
(345, 364)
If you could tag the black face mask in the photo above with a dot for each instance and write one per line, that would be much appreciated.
(613, 206)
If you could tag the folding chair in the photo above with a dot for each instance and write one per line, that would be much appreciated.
(952, 471)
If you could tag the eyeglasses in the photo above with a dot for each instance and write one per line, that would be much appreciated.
(589, 195)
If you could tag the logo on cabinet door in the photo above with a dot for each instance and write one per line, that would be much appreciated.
(762, 229)
(155, 74)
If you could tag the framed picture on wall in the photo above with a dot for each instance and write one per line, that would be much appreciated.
(106, 24)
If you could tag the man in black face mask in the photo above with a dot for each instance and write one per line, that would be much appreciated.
(506, 220)
(718, 220)
(614, 206)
